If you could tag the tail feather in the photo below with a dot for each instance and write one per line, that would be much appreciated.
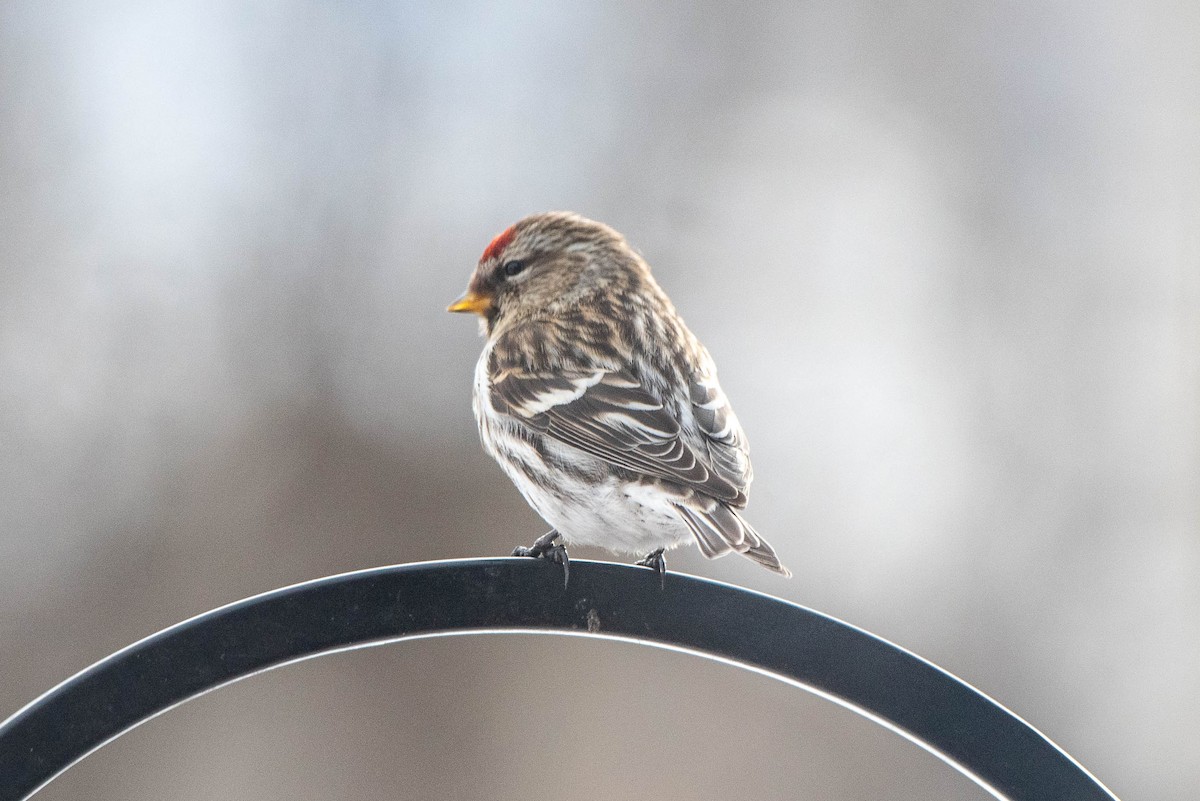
(721, 530)
(711, 543)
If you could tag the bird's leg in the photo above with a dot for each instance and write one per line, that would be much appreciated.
(654, 560)
(541, 546)
(546, 547)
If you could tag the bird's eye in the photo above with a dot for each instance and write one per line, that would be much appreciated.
(513, 267)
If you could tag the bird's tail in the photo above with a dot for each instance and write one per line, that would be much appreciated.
(720, 530)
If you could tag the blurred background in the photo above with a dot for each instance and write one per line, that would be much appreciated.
(947, 258)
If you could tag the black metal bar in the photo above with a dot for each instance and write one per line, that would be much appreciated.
(924, 703)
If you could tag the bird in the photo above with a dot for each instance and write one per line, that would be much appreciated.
(600, 404)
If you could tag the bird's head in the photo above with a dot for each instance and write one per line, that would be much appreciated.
(547, 263)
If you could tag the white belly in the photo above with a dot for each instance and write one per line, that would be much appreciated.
(622, 517)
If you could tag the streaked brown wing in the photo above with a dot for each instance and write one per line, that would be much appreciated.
(724, 438)
(611, 415)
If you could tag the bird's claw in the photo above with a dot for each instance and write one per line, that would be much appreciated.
(655, 562)
(546, 547)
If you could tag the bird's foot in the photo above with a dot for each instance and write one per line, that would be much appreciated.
(655, 562)
(547, 547)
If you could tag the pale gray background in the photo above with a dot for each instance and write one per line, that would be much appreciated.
(947, 259)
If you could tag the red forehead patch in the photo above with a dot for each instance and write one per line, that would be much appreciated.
(498, 244)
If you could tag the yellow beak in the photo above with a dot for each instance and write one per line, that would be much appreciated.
(471, 302)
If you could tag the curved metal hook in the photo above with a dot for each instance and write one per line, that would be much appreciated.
(994, 747)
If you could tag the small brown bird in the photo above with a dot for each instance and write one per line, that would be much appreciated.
(599, 403)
